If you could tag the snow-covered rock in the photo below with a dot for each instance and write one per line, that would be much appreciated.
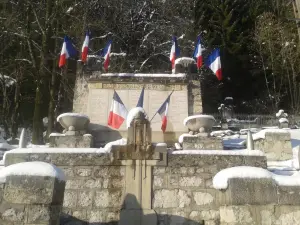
(281, 113)
(283, 120)
(32, 169)
(220, 180)
(262, 134)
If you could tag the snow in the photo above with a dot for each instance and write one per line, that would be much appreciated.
(219, 152)
(133, 113)
(6, 146)
(32, 169)
(178, 75)
(180, 139)
(57, 150)
(245, 131)
(160, 144)
(114, 54)
(220, 133)
(9, 81)
(178, 146)
(283, 120)
(262, 134)
(197, 116)
(281, 113)
(229, 98)
(108, 146)
(56, 134)
(72, 115)
(185, 61)
(220, 180)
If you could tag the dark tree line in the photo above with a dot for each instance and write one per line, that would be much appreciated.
(260, 69)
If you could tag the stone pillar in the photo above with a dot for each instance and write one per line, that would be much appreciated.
(30, 199)
(139, 155)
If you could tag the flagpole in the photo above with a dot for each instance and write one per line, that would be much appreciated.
(157, 110)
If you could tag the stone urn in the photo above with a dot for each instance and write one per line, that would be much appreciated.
(73, 123)
(199, 123)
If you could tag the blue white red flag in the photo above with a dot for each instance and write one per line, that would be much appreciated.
(163, 112)
(105, 53)
(85, 47)
(118, 112)
(141, 99)
(214, 63)
(67, 51)
(198, 53)
(175, 52)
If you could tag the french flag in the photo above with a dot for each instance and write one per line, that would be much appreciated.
(118, 112)
(163, 112)
(198, 53)
(175, 52)
(105, 53)
(85, 47)
(141, 99)
(214, 63)
(67, 51)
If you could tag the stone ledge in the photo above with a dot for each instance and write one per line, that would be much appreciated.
(221, 161)
(263, 191)
(61, 159)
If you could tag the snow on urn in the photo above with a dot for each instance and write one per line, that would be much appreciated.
(74, 123)
(199, 123)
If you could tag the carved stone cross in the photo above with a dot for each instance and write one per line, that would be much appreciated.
(139, 155)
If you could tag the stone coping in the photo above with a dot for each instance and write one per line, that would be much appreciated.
(68, 158)
(136, 77)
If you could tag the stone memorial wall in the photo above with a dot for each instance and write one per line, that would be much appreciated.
(93, 97)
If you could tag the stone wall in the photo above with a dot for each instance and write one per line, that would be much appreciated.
(94, 91)
(184, 188)
(31, 200)
(182, 191)
(276, 145)
(259, 202)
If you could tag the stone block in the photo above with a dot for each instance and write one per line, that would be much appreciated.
(70, 199)
(191, 181)
(108, 198)
(83, 171)
(287, 214)
(40, 214)
(85, 199)
(202, 143)
(204, 198)
(70, 141)
(276, 145)
(176, 198)
(33, 190)
(237, 215)
(12, 213)
(242, 191)
(288, 195)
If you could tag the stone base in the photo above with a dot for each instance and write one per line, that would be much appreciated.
(202, 143)
(275, 145)
(67, 141)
